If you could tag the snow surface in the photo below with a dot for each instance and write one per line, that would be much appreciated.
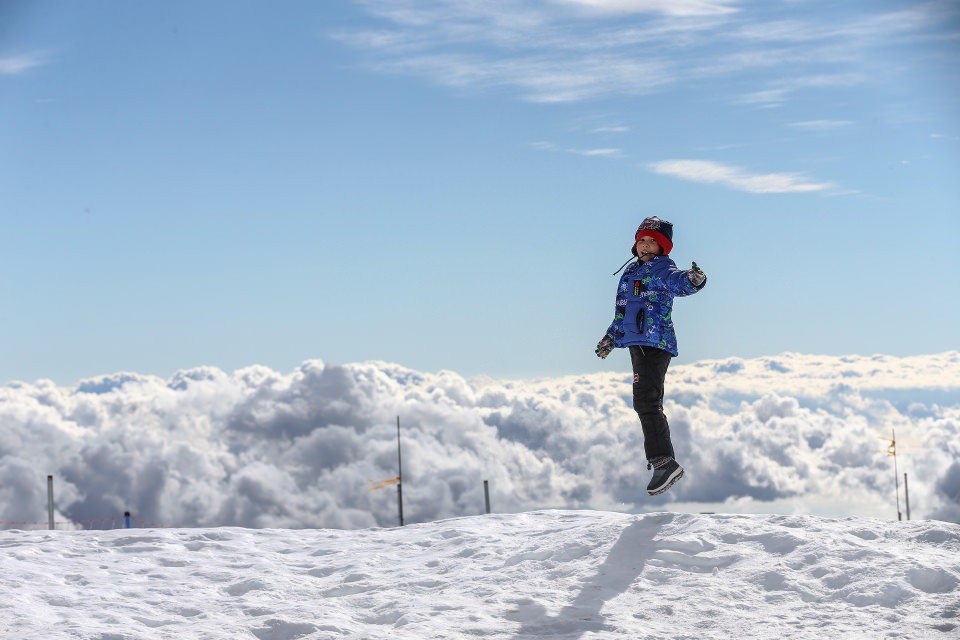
(543, 574)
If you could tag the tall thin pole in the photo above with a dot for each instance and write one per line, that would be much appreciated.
(399, 475)
(896, 473)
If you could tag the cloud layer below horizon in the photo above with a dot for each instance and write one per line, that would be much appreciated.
(257, 448)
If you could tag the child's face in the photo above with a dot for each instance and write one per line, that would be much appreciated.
(647, 245)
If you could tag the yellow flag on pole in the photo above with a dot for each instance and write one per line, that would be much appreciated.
(383, 484)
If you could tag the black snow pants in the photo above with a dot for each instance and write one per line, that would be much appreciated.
(649, 371)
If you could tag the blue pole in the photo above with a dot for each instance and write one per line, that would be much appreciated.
(126, 519)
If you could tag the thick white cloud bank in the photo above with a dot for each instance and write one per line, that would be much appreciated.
(795, 434)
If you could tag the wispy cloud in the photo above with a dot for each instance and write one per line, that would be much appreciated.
(539, 52)
(611, 129)
(12, 65)
(822, 125)
(537, 79)
(855, 31)
(766, 98)
(709, 172)
(575, 50)
(590, 153)
(782, 90)
(668, 7)
(599, 153)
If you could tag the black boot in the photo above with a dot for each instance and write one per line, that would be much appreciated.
(666, 471)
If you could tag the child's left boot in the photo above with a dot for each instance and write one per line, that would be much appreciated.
(666, 472)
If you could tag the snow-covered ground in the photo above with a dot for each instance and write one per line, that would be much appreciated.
(543, 574)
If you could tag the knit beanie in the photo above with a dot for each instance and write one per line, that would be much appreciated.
(659, 230)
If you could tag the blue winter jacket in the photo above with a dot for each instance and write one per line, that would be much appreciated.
(645, 304)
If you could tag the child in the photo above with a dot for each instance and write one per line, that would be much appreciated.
(643, 323)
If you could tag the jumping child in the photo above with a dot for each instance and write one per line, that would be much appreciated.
(643, 324)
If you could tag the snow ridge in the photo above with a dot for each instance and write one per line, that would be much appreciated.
(543, 574)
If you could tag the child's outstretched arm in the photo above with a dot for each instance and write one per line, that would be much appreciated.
(679, 282)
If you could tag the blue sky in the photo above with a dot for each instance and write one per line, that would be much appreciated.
(450, 184)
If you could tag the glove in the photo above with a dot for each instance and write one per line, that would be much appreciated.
(696, 275)
(604, 347)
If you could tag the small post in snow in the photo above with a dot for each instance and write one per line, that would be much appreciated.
(486, 494)
(53, 525)
(906, 494)
(126, 519)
